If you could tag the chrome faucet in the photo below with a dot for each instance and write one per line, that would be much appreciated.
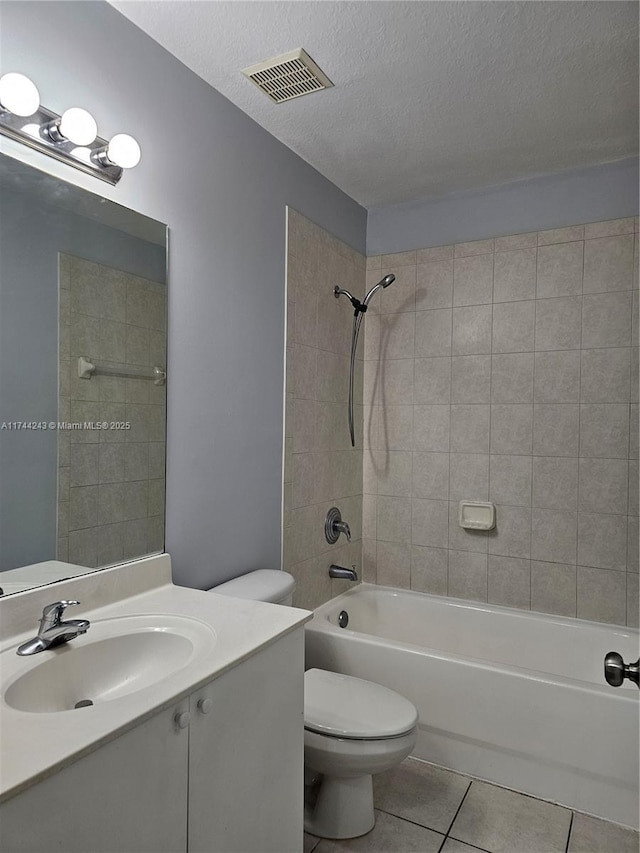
(342, 573)
(53, 631)
(334, 526)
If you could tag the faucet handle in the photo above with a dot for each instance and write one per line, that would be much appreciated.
(52, 613)
(334, 526)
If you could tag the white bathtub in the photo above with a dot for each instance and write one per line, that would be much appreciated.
(513, 697)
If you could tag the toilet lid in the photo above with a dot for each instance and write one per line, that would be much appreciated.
(348, 707)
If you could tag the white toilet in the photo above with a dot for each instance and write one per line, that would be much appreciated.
(352, 728)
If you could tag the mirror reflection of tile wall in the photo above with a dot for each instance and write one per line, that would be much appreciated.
(111, 483)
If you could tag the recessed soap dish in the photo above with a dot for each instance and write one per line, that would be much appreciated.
(477, 515)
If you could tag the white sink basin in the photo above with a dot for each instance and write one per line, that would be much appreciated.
(115, 658)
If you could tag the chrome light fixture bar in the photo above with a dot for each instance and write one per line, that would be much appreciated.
(52, 134)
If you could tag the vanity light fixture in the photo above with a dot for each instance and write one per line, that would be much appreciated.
(75, 125)
(71, 137)
(18, 94)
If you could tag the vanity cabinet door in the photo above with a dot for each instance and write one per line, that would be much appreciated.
(129, 796)
(246, 755)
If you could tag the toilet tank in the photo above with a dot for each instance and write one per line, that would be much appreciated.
(261, 585)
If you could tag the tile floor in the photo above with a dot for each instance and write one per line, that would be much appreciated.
(421, 808)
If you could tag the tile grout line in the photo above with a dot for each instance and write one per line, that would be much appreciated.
(448, 548)
(533, 420)
(579, 442)
(566, 849)
(493, 285)
(453, 820)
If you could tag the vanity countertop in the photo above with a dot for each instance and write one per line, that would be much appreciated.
(35, 745)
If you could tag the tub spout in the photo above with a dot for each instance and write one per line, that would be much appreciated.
(342, 573)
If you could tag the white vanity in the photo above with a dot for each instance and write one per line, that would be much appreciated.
(195, 738)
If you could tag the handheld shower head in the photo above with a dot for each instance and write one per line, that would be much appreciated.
(359, 311)
(385, 282)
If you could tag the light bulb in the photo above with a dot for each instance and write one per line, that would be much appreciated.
(124, 151)
(78, 126)
(18, 94)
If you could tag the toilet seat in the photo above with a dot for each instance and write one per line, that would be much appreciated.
(342, 706)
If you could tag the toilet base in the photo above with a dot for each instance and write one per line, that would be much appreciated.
(343, 808)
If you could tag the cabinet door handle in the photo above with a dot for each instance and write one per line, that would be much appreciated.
(205, 705)
(182, 719)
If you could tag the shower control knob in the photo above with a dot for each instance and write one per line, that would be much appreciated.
(616, 670)
(205, 705)
(182, 719)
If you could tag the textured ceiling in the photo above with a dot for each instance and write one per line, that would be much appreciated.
(429, 97)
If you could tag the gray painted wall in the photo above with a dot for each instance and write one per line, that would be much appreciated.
(221, 183)
(608, 191)
(31, 235)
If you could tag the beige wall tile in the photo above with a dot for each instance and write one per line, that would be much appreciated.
(608, 264)
(561, 235)
(601, 595)
(473, 280)
(516, 241)
(471, 379)
(401, 295)
(559, 270)
(472, 330)
(397, 335)
(393, 519)
(510, 479)
(429, 522)
(393, 563)
(557, 377)
(467, 575)
(609, 228)
(432, 380)
(633, 615)
(558, 323)
(555, 482)
(470, 429)
(512, 378)
(475, 247)
(604, 430)
(433, 332)
(509, 582)
(603, 486)
(430, 478)
(399, 259)
(395, 427)
(514, 275)
(602, 541)
(429, 569)
(553, 588)
(511, 429)
(606, 320)
(553, 535)
(513, 327)
(431, 428)
(434, 285)
(435, 253)
(469, 476)
(394, 472)
(556, 429)
(511, 537)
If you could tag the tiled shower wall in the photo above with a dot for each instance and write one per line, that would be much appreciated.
(111, 483)
(507, 370)
(321, 468)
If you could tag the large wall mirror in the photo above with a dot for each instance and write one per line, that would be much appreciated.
(83, 314)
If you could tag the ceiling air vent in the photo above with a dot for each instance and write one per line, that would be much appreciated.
(288, 76)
